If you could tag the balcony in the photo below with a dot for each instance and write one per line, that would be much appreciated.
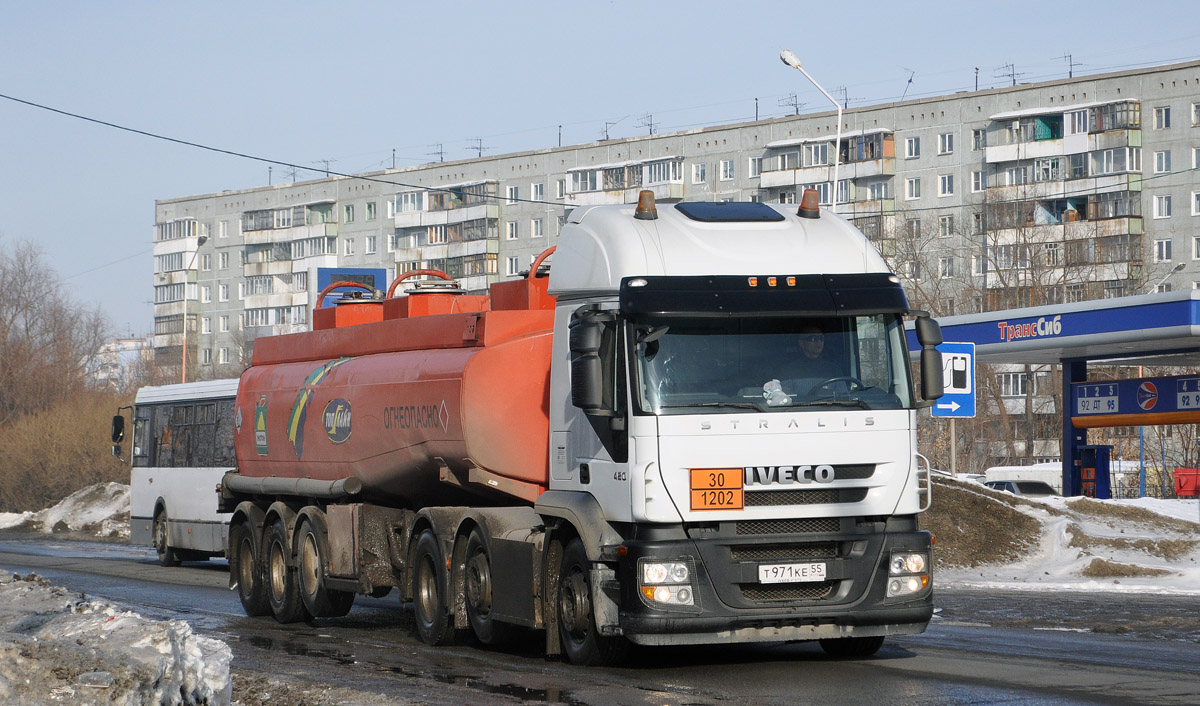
(286, 235)
(275, 300)
(670, 191)
(418, 219)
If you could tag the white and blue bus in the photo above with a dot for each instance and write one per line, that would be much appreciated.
(182, 445)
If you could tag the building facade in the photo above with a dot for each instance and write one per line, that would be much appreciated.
(1056, 191)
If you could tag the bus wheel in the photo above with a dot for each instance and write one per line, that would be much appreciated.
(252, 587)
(479, 593)
(162, 545)
(317, 597)
(435, 626)
(851, 647)
(282, 592)
(581, 642)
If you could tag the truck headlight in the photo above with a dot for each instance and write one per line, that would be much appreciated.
(666, 583)
(908, 573)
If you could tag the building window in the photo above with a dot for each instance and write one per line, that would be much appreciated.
(223, 293)
(206, 325)
(912, 228)
(1053, 254)
(206, 262)
(945, 226)
(1162, 206)
(206, 356)
(1162, 250)
(512, 266)
(1196, 203)
(560, 188)
(946, 267)
(223, 259)
(787, 197)
(1013, 384)
(978, 265)
(726, 170)
(537, 192)
(223, 229)
(223, 323)
(698, 172)
(977, 223)
(223, 356)
(946, 185)
(1114, 289)
(535, 228)
(978, 140)
(436, 235)
(912, 147)
(1162, 161)
(946, 143)
(348, 246)
(816, 155)
(348, 213)
(1162, 117)
(510, 230)
(978, 181)
(878, 190)
(371, 247)
(514, 193)
(823, 191)
(1077, 122)
(205, 294)
(912, 188)
(754, 167)
(370, 210)
(410, 201)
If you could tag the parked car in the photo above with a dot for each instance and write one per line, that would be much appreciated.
(1033, 488)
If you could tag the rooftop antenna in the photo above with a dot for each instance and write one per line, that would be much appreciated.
(845, 96)
(647, 121)
(608, 124)
(291, 172)
(909, 84)
(439, 152)
(792, 101)
(1010, 71)
(1071, 64)
(479, 148)
(976, 78)
(326, 162)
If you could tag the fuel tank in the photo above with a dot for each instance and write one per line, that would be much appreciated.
(424, 410)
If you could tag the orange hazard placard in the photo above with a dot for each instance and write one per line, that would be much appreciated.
(716, 489)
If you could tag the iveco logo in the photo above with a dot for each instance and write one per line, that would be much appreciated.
(788, 475)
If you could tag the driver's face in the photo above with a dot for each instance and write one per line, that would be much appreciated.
(812, 344)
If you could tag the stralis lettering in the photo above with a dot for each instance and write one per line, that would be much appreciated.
(788, 475)
(413, 416)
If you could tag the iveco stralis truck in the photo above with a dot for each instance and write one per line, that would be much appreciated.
(699, 427)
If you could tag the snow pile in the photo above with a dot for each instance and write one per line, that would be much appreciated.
(57, 646)
(1145, 545)
(101, 510)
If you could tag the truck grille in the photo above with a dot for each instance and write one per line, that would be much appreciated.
(783, 552)
(809, 525)
(759, 593)
(825, 496)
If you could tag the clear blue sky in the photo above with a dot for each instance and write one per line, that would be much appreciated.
(304, 82)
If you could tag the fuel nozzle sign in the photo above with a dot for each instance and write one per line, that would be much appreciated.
(958, 381)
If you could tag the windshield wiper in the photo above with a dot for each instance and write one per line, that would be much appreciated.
(833, 403)
(735, 405)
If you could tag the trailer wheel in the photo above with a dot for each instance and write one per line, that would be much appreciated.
(850, 647)
(434, 624)
(252, 587)
(478, 589)
(283, 593)
(162, 542)
(581, 642)
(318, 598)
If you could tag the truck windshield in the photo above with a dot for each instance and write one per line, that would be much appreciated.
(685, 365)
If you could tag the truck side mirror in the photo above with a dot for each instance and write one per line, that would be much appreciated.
(587, 369)
(929, 335)
(118, 431)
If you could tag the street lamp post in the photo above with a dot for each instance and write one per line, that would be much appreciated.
(788, 57)
(186, 281)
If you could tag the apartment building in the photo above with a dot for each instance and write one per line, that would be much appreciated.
(1061, 190)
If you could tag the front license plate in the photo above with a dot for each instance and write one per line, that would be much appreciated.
(791, 573)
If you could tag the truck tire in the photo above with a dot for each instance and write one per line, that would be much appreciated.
(252, 586)
(581, 642)
(434, 624)
(162, 540)
(283, 593)
(851, 647)
(319, 599)
(478, 587)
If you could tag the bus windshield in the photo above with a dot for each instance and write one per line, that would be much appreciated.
(684, 365)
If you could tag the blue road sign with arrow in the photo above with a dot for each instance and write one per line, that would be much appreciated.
(958, 381)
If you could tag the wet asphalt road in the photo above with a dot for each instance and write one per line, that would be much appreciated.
(982, 648)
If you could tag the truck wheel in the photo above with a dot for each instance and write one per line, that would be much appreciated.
(434, 624)
(852, 646)
(282, 592)
(478, 590)
(581, 642)
(317, 597)
(162, 545)
(252, 587)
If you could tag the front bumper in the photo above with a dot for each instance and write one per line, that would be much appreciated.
(730, 605)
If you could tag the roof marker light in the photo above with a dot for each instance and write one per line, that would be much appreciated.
(791, 281)
(753, 281)
(772, 281)
(810, 204)
(646, 210)
(638, 282)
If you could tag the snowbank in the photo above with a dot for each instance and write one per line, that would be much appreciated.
(101, 510)
(57, 646)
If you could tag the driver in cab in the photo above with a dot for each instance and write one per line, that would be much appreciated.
(813, 365)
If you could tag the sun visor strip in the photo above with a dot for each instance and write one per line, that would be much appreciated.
(732, 295)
